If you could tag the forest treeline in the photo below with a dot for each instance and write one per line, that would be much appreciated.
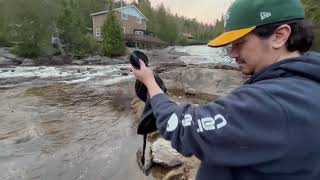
(29, 26)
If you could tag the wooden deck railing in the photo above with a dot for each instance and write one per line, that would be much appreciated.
(142, 39)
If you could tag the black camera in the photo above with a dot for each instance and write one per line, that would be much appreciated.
(134, 59)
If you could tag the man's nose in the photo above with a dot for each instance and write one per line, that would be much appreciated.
(233, 53)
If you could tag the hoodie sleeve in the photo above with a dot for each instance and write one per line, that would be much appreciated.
(245, 128)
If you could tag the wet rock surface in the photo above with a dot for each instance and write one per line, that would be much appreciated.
(164, 154)
(202, 80)
(148, 162)
(28, 62)
(4, 61)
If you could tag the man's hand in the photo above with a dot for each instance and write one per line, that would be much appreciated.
(145, 75)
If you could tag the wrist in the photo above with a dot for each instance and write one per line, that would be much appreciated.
(150, 82)
(153, 88)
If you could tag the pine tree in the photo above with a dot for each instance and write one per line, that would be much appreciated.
(312, 8)
(112, 35)
(29, 26)
(3, 27)
(218, 27)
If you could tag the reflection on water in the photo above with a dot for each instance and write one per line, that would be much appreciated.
(67, 131)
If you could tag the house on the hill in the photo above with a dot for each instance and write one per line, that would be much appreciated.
(134, 26)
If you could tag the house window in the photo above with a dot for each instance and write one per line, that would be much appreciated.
(139, 32)
(124, 30)
(98, 33)
(139, 20)
(124, 16)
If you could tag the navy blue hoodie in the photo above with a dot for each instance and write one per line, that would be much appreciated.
(268, 129)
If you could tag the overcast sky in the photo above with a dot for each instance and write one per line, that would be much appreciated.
(206, 11)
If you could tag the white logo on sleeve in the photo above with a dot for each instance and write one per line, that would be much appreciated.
(204, 124)
(172, 123)
(264, 15)
(209, 123)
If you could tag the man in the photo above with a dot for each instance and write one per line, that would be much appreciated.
(268, 128)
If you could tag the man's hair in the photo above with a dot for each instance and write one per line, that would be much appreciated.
(300, 39)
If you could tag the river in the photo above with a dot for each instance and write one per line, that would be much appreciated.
(72, 122)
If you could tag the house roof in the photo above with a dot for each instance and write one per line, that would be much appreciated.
(119, 9)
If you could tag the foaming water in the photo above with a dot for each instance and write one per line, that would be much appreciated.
(56, 130)
(201, 54)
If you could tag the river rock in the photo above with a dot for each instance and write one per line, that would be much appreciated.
(5, 52)
(7, 62)
(164, 55)
(56, 60)
(44, 60)
(164, 154)
(125, 74)
(148, 159)
(93, 60)
(168, 66)
(216, 82)
(113, 61)
(106, 60)
(124, 58)
(28, 62)
(78, 62)
(224, 66)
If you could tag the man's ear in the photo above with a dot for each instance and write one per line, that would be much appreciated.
(281, 36)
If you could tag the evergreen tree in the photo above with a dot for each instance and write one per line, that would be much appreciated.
(29, 26)
(112, 35)
(218, 27)
(69, 26)
(3, 27)
(312, 8)
(72, 31)
(145, 7)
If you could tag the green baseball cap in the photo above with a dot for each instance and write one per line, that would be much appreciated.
(244, 16)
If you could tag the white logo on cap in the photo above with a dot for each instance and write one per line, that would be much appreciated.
(265, 15)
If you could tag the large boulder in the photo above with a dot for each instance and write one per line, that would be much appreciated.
(146, 167)
(113, 61)
(224, 66)
(168, 66)
(106, 60)
(93, 60)
(164, 55)
(57, 60)
(7, 62)
(49, 60)
(44, 60)
(78, 62)
(6, 54)
(28, 62)
(164, 154)
(217, 82)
